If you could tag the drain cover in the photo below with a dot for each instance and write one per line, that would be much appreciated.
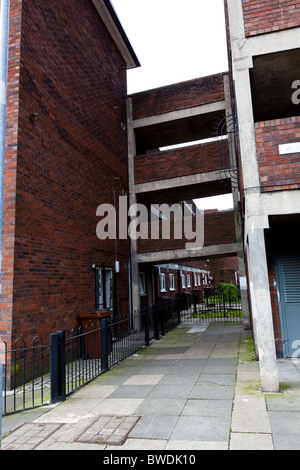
(110, 430)
(28, 436)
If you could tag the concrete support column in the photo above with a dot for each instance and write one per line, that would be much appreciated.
(241, 263)
(247, 138)
(255, 216)
(237, 216)
(135, 292)
(262, 310)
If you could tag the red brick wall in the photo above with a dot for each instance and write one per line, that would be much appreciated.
(73, 76)
(263, 16)
(184, 161)
(219, 228)
(223, 269)
(6, 316)
(179, 96)
(278, 172)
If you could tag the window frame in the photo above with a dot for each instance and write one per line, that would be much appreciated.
(142, 283)
(172, 284)
(163, 287)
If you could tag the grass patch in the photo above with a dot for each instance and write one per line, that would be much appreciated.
(247, 350)
(231, 313)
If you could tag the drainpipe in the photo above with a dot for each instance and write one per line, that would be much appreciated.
(4, 28)
(4, 32)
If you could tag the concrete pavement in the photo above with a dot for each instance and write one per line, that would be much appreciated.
(197, 388)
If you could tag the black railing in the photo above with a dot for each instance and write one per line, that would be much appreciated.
(213, 305)
(26, 381)
(43, 374)
(85, 352)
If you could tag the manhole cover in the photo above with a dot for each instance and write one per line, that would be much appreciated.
(109, 430)
(28, 436)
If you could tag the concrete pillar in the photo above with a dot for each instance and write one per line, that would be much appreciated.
(241, 262)
(255, 217)
(135, 292)
(254, 233)
(262, 310)
(237, 215)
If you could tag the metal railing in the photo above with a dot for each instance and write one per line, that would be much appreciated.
(26, 382)
(84, 353)
(47, 373)
(214, 306)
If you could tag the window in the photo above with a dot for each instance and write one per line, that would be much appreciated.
(142, 283)
(183, 281)
(195, 280)
(104, 288)
(199, 280)
(172, 281)
(163, 283)
(188, 278)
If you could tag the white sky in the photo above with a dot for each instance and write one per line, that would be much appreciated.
(175, 40)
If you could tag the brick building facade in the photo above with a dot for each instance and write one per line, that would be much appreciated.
(264, 53)
(65, 155)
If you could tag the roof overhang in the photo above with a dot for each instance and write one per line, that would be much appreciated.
(112, 23)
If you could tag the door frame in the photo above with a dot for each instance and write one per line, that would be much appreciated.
(282, 311)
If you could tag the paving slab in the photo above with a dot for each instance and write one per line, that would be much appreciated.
(96, 390)
(209, 391)
(207, 408)
(283, 403)
(250, 415)
(161, 406)
(132, 391)
(201, 428)
(28, 436)
(141, 444)
(217, 379)
(251, 441)
(285, 441)
(178, 379)
(154, 427)
(171, 391)
(144, 380)
(196, 445)
(285, 422)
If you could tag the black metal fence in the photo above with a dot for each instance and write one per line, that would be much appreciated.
(214, 305)
(47, 373)
(25, 382)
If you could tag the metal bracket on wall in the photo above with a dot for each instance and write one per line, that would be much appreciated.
(227, 136)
